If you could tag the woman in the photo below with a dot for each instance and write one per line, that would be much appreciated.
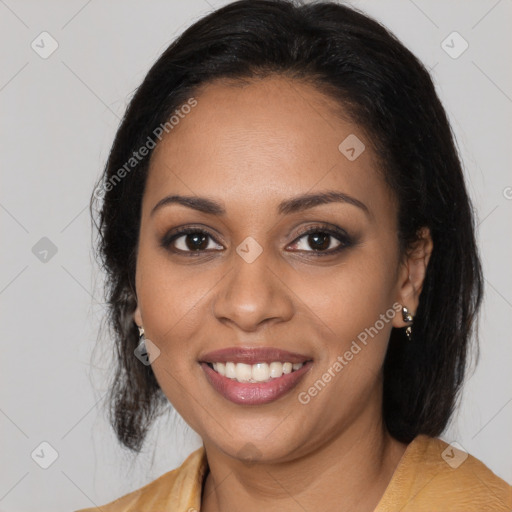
(292, 265)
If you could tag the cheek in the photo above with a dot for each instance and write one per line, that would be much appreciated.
(350, 297)
(171, 299)
(347, 308)
(172, 302)
(352, 306)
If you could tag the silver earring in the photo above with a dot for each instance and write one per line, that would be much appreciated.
(407, 317)
(141, 352)
(142, 340)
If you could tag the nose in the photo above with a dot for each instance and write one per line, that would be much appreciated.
(253, 294)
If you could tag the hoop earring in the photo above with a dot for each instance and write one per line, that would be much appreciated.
(407, 317)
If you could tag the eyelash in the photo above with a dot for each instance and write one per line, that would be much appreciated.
(337, 233)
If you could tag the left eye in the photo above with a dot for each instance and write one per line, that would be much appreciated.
(318, 241)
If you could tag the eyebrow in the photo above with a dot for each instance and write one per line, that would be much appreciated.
(293, 205)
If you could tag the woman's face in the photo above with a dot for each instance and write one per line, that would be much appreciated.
(248, 277)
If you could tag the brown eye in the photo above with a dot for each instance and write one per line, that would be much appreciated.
(322, 241)
(193, 242)
(190, 240)
(317, 241)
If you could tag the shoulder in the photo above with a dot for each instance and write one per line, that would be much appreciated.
(179, 489)
(436, 476)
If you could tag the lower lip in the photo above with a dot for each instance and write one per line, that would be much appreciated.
(254, 393)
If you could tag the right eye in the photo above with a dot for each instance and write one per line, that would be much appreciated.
(190, 240)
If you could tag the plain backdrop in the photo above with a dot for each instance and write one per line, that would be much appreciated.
(58, 117)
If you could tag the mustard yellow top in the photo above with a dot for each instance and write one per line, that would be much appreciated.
(431, 476)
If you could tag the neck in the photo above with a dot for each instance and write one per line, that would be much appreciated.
(349, 472)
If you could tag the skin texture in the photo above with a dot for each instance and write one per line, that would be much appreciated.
(249, 148)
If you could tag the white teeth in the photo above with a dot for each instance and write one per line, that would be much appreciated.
(243, 372)
(259, 372)
(220, 368)
(230, 371)
(276, 369)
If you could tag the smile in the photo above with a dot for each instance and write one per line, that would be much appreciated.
(254, 376)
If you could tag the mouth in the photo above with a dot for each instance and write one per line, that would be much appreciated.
(254, 376)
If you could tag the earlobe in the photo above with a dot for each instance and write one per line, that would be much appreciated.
(137, 317)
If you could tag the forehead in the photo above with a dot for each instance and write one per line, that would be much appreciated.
(264, 140)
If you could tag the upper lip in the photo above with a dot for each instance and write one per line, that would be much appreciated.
(253, 355)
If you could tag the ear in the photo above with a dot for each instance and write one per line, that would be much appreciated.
(137, 317)
(412, 274)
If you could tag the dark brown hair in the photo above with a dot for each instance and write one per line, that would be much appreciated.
(387, 91)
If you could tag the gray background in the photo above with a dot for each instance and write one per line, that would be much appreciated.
(58, 119)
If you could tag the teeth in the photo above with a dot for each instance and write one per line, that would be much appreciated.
(220, 368)
(230, 370)
(276, 369)
(259, 372)
(243, 372)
